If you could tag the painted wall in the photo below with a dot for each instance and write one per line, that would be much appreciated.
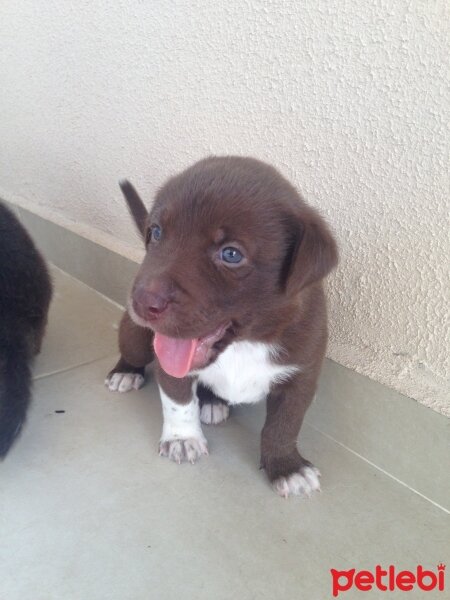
(350, 100)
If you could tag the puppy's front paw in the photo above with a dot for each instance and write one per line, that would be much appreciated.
(124, 382)
(188, 450)
(213, 413)
(303, 482)
(291, 474)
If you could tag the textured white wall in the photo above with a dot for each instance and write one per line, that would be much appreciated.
(349, 99)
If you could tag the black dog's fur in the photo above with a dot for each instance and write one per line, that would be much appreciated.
(25, 294)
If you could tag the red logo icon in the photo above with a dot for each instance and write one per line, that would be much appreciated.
(388, 580)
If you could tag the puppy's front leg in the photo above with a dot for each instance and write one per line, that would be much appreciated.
(182, 437)
(287, 470)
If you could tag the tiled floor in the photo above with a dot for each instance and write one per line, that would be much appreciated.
(89, 511)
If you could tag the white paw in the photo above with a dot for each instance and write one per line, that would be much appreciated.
(303, 483)
(183, 450)
(124, 382)
(213, 413)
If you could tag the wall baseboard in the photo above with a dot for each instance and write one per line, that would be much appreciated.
(95, 265)
(399, 436)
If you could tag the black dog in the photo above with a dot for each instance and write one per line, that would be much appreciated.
(25, 294)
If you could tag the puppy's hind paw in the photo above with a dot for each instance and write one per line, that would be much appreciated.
(124, 382)
(213, 413)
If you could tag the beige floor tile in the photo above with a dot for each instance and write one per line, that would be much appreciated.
(89, 510)
(82, 327)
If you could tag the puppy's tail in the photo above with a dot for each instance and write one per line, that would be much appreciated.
(15, 384)
(135, 205)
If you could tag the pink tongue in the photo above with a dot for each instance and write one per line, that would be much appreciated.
(175, 356)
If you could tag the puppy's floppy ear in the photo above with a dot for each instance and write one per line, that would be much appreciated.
(312, 251)
(135, 206)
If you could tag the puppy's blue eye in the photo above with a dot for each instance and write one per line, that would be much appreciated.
(156, 232)
(231, 255)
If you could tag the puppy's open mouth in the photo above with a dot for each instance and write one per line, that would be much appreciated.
(179, 356)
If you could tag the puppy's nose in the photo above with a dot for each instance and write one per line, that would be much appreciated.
(150, 302)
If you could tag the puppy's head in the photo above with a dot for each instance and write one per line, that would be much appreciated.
(230, 247)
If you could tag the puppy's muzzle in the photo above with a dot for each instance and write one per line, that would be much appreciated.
(151, 302)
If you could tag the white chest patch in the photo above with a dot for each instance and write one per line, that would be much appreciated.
(245, 371)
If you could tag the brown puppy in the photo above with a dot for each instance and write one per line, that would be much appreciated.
(230, 297)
